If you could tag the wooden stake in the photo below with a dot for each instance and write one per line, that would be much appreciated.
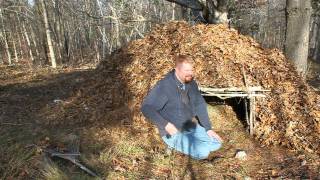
(253, 113)
(246, 110)
(250, 118)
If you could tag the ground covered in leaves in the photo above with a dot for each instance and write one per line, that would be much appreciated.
(100, 105)
(116, 150)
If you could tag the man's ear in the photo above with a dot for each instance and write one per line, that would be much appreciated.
(177, 68)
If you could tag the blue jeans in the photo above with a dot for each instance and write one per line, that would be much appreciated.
(194, 142)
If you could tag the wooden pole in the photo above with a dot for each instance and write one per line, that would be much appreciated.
(246, 109)
(251, 114)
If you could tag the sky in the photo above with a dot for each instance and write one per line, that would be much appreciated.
(31, 2)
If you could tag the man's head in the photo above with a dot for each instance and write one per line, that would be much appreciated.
(184, 68)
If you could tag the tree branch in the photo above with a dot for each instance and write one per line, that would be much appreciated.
(193, 4)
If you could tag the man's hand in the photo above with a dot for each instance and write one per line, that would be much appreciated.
(211, 133)
(171, 129)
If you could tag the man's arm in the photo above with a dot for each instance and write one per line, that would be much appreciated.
(202, 113)
(201, 109)
(152, 104)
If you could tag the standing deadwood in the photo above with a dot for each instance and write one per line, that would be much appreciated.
(49, 40)
(5, 38)
(297, 34)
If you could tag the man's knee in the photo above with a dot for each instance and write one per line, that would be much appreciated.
(215, 146)
(202, 154)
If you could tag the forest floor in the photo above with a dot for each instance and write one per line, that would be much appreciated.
(118, 151)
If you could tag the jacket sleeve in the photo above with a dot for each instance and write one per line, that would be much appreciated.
(152, 104)
(201, 108)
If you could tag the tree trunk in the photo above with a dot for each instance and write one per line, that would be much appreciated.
(18, 31)
(218, 13)
(103, 31)
(193, 4)
(5, 38)
(314, 38)
(57, 28)
(173, 12)
(34, 41)
(297, 34)
(28, 41)
(97, 52)
(14, 48)
(116, 25)
(1, 60)
(49, 40)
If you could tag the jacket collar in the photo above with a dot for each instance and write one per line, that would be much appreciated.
(174, 80)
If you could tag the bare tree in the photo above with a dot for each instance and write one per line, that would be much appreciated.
(69, 31)
(49, 40)
(5, 38)
(25, 32)
(297, 34)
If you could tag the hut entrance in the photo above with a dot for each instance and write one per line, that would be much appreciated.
(242, 100)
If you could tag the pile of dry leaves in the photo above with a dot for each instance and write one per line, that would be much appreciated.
(290, 115)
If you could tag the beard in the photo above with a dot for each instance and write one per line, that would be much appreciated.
(188, 79)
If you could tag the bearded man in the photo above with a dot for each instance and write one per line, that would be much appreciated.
(177, 108)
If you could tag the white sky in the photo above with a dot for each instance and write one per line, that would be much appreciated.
(31, 2)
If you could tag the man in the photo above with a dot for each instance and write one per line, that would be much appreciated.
(176, 106)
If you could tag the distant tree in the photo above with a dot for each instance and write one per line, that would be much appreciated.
(48, 34)
(5, 38)
(297, 34)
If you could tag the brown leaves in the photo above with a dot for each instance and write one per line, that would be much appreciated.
(219, 53)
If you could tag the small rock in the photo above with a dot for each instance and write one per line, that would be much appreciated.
(303, 163)
(85, 107)
(57, 101)
(241, 155)
(247, 178)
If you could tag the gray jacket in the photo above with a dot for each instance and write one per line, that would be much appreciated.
(166, 103)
